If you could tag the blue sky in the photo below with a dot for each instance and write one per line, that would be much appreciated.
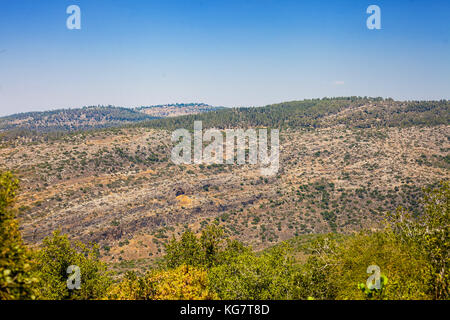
(221, 52)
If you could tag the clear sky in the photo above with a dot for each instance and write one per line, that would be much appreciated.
(222, 52)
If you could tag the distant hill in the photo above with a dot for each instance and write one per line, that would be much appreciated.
(357, 112)
(72, 119)
(95, 117)
(178, 109)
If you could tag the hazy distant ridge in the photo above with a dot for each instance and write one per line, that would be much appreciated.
(96, 116)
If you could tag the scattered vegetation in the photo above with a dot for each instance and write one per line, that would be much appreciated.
(412, 253)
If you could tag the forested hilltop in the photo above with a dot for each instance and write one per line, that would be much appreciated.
(60, 121)
(354, 112)
(71, 119)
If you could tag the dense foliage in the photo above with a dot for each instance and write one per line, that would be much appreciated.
(375, 112)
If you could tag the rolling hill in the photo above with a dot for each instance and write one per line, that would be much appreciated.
(344, 162)
(93, 117)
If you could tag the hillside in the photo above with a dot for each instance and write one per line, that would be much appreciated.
(353, 112)
(93, 117)
(339, 172)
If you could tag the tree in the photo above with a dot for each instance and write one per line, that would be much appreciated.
(132, 287)
(191, 250)
(181, 283)
(187, 251)
(271, 275)
(16, 278)
(53, 259)
(430, 235)
(212, 240)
